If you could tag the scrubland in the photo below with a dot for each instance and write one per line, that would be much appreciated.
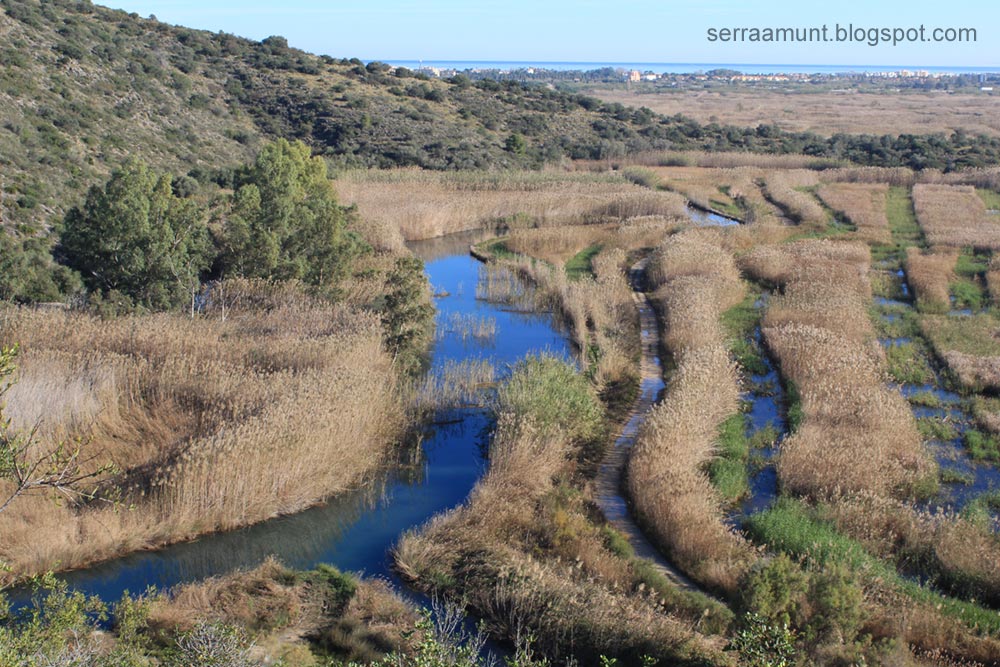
(262, 407)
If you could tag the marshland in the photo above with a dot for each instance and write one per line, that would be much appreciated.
(562, 382)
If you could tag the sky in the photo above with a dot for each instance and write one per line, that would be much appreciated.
(632, 31)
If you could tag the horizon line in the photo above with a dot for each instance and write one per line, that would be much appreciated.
(664, 62)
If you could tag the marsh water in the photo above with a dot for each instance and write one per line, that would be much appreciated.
(356, 531)
(963, 479)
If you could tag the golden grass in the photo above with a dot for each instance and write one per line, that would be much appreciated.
(855, 433)
(954, 215)
(522, 553)
(783, 187)
(696, 280)
(969, 346)
(825, 112)
(956, 549)
(863, 205)
(427, 204)
(929, 274)
(215, 422)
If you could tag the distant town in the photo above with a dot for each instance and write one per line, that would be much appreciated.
(916, 78)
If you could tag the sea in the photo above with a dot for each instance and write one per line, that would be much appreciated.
(685, 68)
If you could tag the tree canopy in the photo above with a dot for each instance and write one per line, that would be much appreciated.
(137, 238)
(284, 220)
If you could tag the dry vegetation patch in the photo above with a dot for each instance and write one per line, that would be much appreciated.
(970, 346)
(695, 281)
(428, 204)
(216, 422)
(954, 215)
(930, 274)
(863, 205)
(786, 189)
(855, 434)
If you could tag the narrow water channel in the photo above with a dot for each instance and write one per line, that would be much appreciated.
(962, 479)
(356, 530)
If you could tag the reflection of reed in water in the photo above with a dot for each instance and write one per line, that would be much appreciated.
(480, 329)
(459, 384)
(299, 540)
(448, 245)
(499, 284)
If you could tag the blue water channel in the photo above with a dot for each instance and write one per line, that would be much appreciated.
(356, 531)
(968, 479)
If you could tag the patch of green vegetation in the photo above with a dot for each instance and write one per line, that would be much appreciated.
(554, 396)
(902, 219)
(971, 264)
(926, 399)
(692, 603)
(886, 285)
(582, 263)
(740, 320)
(968, 293)
(908, 364)
(936, 428)
(764, 438)
(982, 446)
(795, 413)
(953, 476)
(791, 526)
(728, 470)
(991, 198)
(738, 323)
(905, 322)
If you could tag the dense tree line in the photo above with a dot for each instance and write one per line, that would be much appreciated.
(140, 241)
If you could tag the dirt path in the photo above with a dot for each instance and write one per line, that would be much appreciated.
(610, 479)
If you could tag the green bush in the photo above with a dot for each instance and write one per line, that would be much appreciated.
(553, 395)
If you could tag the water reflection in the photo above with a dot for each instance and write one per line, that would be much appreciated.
(356, 531)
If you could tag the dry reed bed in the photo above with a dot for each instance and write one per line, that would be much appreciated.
(215, 422)
(695, 281)
(969, 346)
(952, 547)
(599, 310)
(954, 215)
(781, 187)
(279, 608)
(702, 186)
(427, 204)
(566, 589)
(929, 274)
(993, 280)
(863, 205)
(856, 435)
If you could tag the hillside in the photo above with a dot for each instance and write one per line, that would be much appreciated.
(82, 87)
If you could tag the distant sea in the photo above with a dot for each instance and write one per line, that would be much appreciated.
(685, 68)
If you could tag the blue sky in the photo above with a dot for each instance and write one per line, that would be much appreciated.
(588, 30)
